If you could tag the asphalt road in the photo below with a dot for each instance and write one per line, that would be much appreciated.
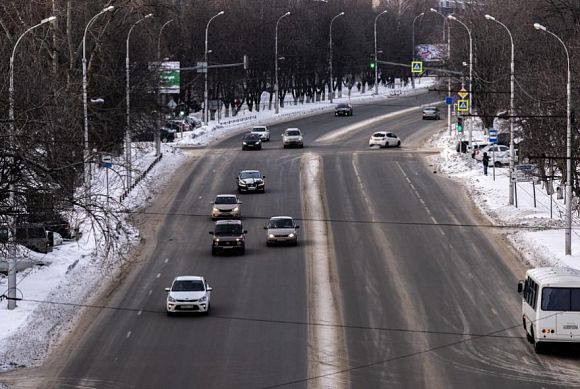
(421, 291)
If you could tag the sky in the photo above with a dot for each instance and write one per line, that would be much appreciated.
(52, 292)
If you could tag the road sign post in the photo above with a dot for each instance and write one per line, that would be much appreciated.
(416, 67)
(462, 105)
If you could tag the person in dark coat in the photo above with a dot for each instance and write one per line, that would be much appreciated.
(485, 160)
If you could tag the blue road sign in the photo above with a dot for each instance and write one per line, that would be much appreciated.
(448, 100)
(492, 136)
(108, 165)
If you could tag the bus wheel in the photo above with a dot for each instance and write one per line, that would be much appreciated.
(539, 347)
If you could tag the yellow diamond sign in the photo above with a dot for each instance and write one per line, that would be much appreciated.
(463, 93)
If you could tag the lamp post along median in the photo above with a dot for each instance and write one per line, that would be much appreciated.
(11, 293)
(376, 53)
(205, 93)
(413, 46)
(512, 113)
(331, 89)
(470, 125)
(568, 233)
(128, 113)
(445, 21)
(159, 102)
(276, 102)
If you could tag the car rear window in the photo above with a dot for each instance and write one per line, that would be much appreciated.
(259, 129)
(293, 133)
(379, 135)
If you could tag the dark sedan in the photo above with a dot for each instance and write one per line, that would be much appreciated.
(343, 110)
(251, 141)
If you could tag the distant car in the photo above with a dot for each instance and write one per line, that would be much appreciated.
(179, 125)
(281, 229)
(343, 110)
(226, 206)
(262, 132)
(228, 235)
(188, 294)
(251, 141)
(499, 155)
(431, 113)
(193, 121)
(384, 139)
(251, 181)
(292, 137)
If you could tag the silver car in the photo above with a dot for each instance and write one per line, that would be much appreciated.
(262, 132)
(226, 206)
(281, 229)
(292, 137)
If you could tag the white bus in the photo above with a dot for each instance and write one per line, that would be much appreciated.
(551, 305)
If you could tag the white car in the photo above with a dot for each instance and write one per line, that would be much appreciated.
(500, 154)
(261, 131)
(54, 238)
(384, 139)
(281, 229)
(292, 137)
(226, 206)
(188, 294)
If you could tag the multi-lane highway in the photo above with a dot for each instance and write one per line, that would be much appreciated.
(396, 282)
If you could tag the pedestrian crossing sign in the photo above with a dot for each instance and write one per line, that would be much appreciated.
(462, 105)
(417, 67)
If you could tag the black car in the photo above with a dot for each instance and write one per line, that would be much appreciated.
(228, 235)
(251, 181)
(167, 134)
(343, 110)
(251, 141)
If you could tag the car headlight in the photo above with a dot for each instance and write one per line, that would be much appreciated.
(216, 239)
(258, 142)
(170, 299)
(270, 235)
(215, 209)
(244, 143)
(236, 209)
(204, 298)
(291, 235)
(242, 183)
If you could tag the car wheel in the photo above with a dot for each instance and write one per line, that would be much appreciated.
(268, 244)
(398, 143)
(164, 140)
(213, 252)
(284, 146)
(264, 190)
(295, 243)
(239, 190)
(301, 146)
(206, 313)
(242, 251)
(260, 148)
(169, 313)
(497, 164)
(243, 148)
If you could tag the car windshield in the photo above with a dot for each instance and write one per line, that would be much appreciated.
(251, 136)
(188, 286)
(293, 133)
(379, 135)
(259, 129)
(281, 223)
(244, 175)
(225, 200)
(430, 109)
(342, 106)
(228, 229)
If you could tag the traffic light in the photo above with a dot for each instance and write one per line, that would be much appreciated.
(459, 125)
(372, 64)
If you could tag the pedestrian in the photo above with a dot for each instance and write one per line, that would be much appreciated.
(485, 160)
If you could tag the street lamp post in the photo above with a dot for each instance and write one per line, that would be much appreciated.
(568, 243)
(445, 21)
(205, 93)
(276, 102)
(157, 137)
(512, 113)
(11, 198)
(331, 91)
(128, 114)
(376, 63)
(413, 45)
(87, 166)
(470, 125)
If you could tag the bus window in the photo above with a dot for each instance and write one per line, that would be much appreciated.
(561, 299)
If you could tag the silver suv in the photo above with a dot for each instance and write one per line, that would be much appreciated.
(226, 206)
(292, 137)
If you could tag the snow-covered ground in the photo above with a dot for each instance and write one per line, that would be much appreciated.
(51, 294)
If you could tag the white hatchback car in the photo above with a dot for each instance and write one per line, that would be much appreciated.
(498, 154)
(384, 139)
(262, 132)
(281, 229)
(188, 294)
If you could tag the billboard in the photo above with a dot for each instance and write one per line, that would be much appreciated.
(431, 52)
(169, 76)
